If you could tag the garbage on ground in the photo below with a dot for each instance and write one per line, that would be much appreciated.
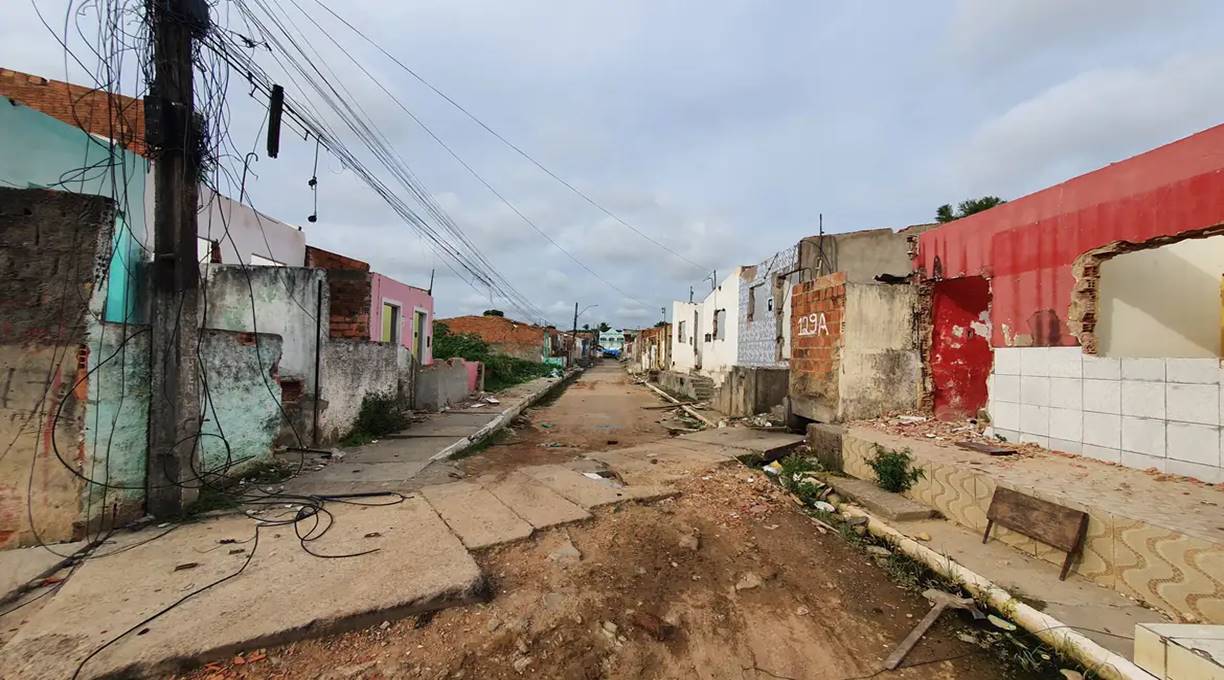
(774, 468)
(1000, 623)
(824, 506)
(492, 400)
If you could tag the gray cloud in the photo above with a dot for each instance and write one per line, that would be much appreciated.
(721, 129)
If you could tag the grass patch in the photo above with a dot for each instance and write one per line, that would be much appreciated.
(380, 415)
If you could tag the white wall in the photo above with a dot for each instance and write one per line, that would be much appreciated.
(682, 356)
(1180, 317)
(719, 355)
(1162, 413)
(285, 300)
(253, 232)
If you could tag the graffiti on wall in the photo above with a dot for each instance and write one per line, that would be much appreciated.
(814, 324)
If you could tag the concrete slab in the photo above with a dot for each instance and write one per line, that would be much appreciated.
(19, 567)
(891, 506)
(475, 515)
(1077, 602)
(768, 444)
(539, 505)
(664, 462)
(284, 593)
(1172, 651)
(590, 493)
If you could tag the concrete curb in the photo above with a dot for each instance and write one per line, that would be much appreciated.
(1102, 662)
(505, 417)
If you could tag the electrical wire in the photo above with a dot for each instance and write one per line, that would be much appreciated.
(517, 149)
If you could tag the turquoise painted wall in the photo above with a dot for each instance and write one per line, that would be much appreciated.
(38, 150)
(239, 376)
(117, 418)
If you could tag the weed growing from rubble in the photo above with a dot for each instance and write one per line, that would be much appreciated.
(894, 470)
(798, 477)
(380, 415)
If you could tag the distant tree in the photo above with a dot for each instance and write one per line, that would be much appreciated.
(660, 324)
(604, 327)
(944, 213)
(493, 312)
(586, 326)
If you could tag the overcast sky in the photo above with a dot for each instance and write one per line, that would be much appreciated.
(721, 128)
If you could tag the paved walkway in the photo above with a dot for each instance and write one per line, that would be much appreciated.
(395, 462)
(248, 584)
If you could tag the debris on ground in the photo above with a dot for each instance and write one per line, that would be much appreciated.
(749, 581)
(690, 540)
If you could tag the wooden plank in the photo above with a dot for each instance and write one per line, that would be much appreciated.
(1050, 523)
(982, 447)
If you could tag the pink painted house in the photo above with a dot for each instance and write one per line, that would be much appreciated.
(402, 314)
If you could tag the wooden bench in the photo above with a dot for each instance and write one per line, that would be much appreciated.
(1050, 523)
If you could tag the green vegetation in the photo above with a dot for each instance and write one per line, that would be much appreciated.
(945, 214)
(493, 312)
(501, 371)
(797, 477)
(893, 469)
(380, 415)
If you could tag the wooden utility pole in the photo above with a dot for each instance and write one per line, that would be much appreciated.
(172, 481)
(573, 338)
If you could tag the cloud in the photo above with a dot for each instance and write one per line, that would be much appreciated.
(1092, 119)
(1019, 28)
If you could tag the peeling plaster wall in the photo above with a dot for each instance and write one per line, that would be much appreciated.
(854, 353)
(960, 355)
(351, 370)
(242, 398)
(880, 366)
(285, 302)
(53, 265)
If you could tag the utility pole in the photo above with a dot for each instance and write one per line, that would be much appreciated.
(174, 406)
(573, 338)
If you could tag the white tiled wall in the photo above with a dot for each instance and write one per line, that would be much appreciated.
(1144, 413)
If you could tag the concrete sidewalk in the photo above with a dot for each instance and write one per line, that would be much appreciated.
(284, 593)
(394, 462)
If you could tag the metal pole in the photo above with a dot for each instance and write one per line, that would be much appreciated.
(175, 417)
(318, 391)
(574, 337)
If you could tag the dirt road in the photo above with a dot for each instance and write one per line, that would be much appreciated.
(727, 580)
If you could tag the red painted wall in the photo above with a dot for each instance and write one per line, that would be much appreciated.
(1026, 246)
(961, 355)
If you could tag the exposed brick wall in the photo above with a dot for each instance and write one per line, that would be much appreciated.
(349, 292)
(49, 262)
(506, 336)
(817, 314)
(349, 289)
(51, 248)
(113, 116)
(325, 259)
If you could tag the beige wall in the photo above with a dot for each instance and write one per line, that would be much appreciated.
(880, 367)
(1163, 302)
